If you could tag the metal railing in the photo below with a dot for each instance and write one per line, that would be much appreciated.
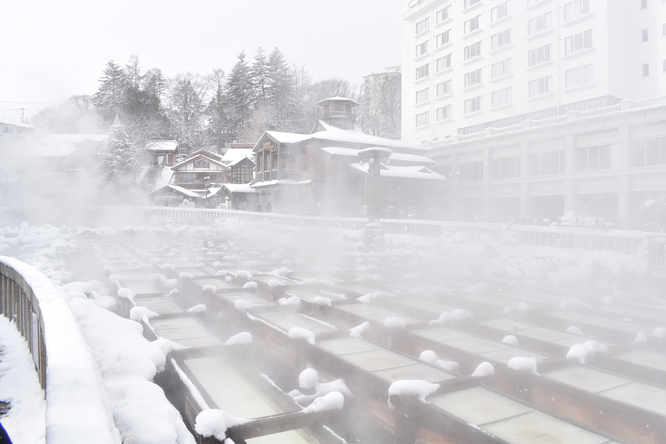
(19, 304)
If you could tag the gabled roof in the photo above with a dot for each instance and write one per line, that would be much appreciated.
(181, 190)
(235, 155)
(207, 153)
(162, 145)
(197, 157)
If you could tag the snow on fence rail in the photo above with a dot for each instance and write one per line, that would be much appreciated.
(67, 370)
(624, 241)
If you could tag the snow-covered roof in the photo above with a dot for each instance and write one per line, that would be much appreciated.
(161, 145)
(196, 157)
(166, 176)
(281, 182)
(337, 99)
(207, 153)
(334, 133)
(62, 144)
(235, 155)
(239, 188)
(400, 172)
(17, 124)
(181, 190)
(351, 152)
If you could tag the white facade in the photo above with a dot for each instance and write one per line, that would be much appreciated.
(470, 64)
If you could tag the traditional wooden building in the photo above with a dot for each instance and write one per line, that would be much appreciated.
(321, 173)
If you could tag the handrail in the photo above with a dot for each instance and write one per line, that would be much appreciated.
(68, 372)
(19, 304)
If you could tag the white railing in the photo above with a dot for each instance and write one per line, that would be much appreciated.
(65, 365)
(587, 238)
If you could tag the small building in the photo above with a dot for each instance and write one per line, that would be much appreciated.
(11, 130)
(314, 173)
(161, 152)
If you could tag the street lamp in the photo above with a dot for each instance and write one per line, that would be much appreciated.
(206, 180)
(453, 180)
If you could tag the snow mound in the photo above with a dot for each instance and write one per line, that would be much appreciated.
(126, 293)
(460, 315)
(243, 338)
(214, 422)
(523, 306)
(428, 356)
(510, 339)
(483, 369)
(594, 347)
(394, 323)
(443, 319)
(294, 301)
(138, 313)
(250, 285)
(578, 353)
(197, 308)
(640, 338)
(330, 401)
(209, 288)
(357, 331)
(308, 378)
(573, 304)
(575, 330)
(322, 301)
(520, 364)
(659, 332)
(302, 333)
(412, 387)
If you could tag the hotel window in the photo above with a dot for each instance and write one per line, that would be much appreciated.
(539, 55)
(443, 88)
(594, 158)
(499, 12)
(500, 39)
(579, 76)
(501, 97)
(472, 24)
(540, 23)
(473, 50)
(500, 69)
(443, 63)
(646, 69)
(422, 48)
(470, 3)
(648, 152)
(548, 163)
(663, 65)
(505, 168)
(575, 9)
(473, 78)
(423, 25)
(423, 71)
(443, 113)
(473, 105)
(471, 172)
(540, 86)
(422, 95)
(663, 29)
(644, 35)
(442, 14)
(442, 39)
(423, 119)
(578, 42)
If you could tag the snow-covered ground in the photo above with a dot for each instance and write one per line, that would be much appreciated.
(125, 362)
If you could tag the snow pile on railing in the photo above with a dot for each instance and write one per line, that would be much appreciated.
(77, 409)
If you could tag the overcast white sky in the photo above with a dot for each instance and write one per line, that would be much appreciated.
(56, 49)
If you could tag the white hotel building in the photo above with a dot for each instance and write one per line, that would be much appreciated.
(535, 103)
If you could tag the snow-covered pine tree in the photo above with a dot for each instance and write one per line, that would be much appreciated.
(280, 90)
(118, 162)
(215, 113)
(239, 97)
(110, 95)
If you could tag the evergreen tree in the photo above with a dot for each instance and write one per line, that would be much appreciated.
(110, 96)
(215, 113)
(259, 73)
(186, 103)
(118, 162)
(239, 98)
(280, 92)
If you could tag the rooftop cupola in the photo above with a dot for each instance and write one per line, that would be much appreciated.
(337, 111)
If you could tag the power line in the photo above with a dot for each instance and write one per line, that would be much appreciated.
(28, 103)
